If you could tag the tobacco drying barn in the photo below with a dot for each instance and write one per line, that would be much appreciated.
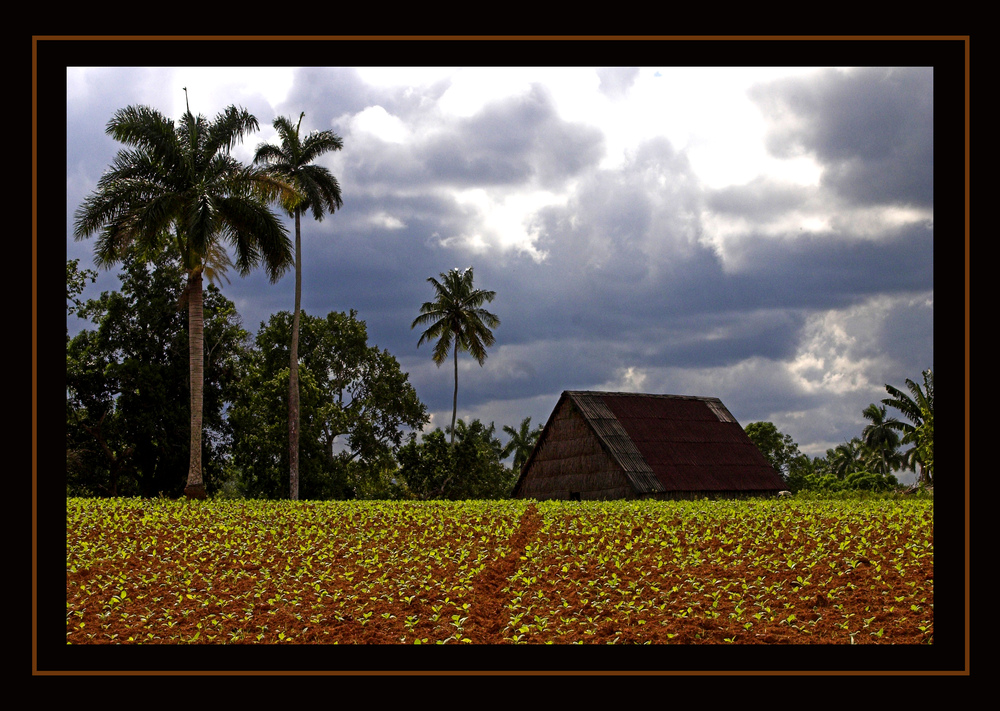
(602, 445)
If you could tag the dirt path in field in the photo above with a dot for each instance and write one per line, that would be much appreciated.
(487, 619)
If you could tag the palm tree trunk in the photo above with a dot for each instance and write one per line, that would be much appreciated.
(195, 488)
(293, 372)
(454, 401)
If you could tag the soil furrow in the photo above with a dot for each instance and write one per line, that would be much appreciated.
(487, 618)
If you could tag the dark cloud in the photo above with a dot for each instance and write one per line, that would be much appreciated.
(871, 129)
(760, 200)
(512, 141)
(830, 270)
(507, 143)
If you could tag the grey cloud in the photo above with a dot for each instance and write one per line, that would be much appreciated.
(507, 143)
(518, 139)
(824, 270)
(759, 200)
(872, 129)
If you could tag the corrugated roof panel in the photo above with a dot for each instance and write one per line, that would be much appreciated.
(692, 443)
(617, 442)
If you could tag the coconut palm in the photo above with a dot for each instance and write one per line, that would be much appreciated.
(918, 408)
(521, 442)
(311, 188)
(458, 322)
(181, 183)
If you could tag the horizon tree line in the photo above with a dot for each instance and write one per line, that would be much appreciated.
(877, 452)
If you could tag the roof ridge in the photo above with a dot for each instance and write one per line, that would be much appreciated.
(629, 394)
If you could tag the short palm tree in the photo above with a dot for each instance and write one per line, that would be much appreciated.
(310, 188)
(458, 322)
(180, 183)
(845, 458)
(521, 442)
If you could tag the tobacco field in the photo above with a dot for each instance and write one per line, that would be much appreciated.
(158, 571)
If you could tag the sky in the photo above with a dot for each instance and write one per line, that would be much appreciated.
(764, 235)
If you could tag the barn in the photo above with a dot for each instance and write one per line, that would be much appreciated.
(608, 445)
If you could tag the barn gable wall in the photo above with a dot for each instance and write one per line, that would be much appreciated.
(570, 463)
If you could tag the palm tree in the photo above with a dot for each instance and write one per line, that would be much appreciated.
(311, 187)
(845, 458)
(180, 183)
(456, 316)
(880, 438)
(919, 410)
(521, 442)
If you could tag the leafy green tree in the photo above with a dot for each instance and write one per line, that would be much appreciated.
(880, 439)
(522, 441)
(871, 481)
(312, 188)
(180, 184)
(458, 322)
(478, 455)
(918, 408)
(76, 282)
(128, 430)
(427, 467)
(801, 469)
(779, 449)
(471, 468)
(356, 406)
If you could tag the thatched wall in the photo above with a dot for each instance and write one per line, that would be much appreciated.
(570, 463)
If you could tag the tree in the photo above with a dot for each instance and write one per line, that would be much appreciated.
(357, 406)
(76, 282)
(458, 322)
(521, 442)
(128, 429)
(846, 458)
(918, 408)
(180, 184)
(778, 449)
(313, 188)
(470, 468)
(881, 440)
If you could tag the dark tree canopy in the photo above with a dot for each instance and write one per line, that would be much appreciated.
(128, 422)
(357, 406)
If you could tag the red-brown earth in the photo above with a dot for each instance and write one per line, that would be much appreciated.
(152, 587)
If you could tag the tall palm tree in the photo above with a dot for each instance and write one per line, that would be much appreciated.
(521, 442)
(880, 438)
(181, 183)
(456, 317)
(918, 408)
(311, 187)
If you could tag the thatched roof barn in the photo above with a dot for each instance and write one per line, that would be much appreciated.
(600, 445)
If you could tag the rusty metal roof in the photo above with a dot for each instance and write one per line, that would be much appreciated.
(673, 442)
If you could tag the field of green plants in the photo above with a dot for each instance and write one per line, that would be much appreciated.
(160, 571)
